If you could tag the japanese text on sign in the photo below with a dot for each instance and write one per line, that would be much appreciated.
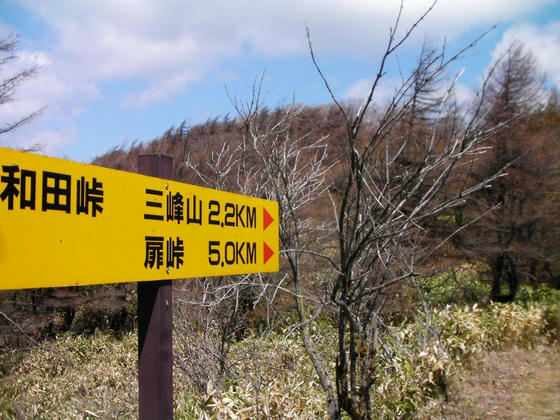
(56, 191)
(66, 223)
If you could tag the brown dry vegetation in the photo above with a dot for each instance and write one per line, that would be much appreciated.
(496, 358)
(509, 384)
(198, 141)
(531, 214)
(241, 382)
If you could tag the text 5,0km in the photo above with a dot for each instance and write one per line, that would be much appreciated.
(232, 253)
(56, 217)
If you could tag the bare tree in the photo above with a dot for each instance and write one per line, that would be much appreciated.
(385, 201)
(273, 162)
(389, 170)
(11, 82)
(515, 240)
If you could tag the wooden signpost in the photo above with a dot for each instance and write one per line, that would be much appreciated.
(64, 223)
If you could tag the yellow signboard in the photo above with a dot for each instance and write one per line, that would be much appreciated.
(65, 224)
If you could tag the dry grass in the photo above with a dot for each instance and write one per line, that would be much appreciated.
(84, 377)
(273, 379)
(510, 384)
(72, 377)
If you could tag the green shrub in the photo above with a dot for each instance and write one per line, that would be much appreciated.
(549, 300)
(459, 285)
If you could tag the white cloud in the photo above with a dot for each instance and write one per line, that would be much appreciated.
(63, 98)
(383, 92)
(51, 141)
(167, 44)
(54, 140)
(154, 41)
(463, 94)
(358, 91)
(60, 101)
(5, 30)
(157, 91)
(542, 41)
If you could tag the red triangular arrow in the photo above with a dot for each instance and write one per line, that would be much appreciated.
(267, 252)
(267, 219)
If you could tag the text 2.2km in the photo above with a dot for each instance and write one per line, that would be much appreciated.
(232, 214)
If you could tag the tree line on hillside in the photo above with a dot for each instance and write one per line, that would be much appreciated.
(510, 224)
(375, 197)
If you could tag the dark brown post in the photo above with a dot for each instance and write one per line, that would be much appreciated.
(155, 317)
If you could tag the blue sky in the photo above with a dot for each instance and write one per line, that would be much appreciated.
(115, 71)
